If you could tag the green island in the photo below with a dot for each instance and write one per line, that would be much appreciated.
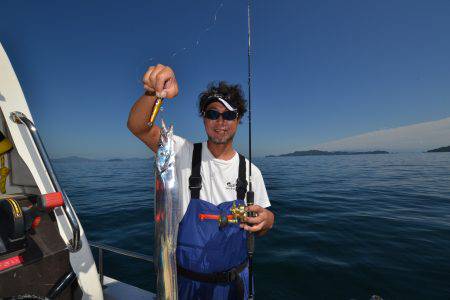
(323, 153)
(441, 149)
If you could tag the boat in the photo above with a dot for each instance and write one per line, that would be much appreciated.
(44, 252)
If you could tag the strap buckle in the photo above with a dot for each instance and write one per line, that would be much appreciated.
(195, 182)
(232, 275)
(226, 277)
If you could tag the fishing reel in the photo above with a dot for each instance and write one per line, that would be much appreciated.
(237, 216)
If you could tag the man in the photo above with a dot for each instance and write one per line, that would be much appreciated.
(212, 177)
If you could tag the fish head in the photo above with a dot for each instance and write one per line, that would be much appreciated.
(165, 156)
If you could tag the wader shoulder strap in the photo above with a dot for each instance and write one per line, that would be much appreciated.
(195, 180)
(241, 182)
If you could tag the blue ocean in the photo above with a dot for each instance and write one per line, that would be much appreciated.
(347, 227)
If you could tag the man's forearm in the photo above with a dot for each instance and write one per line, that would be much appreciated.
(138, 121)
(140, 114)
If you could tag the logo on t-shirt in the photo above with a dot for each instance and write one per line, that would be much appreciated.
(231, 186)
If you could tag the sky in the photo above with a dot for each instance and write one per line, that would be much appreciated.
(322, 70)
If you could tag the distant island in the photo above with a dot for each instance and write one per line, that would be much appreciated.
(322, 153)
(441, 149)
(75, 159)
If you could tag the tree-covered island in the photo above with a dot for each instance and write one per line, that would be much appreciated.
(322, 153)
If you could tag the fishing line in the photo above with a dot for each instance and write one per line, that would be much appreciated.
(201, 34)
(183, 50)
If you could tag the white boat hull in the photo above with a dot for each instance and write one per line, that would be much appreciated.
(37, 180)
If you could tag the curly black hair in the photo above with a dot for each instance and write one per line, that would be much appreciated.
(231, 92)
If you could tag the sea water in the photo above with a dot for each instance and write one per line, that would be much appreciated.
(347, 227)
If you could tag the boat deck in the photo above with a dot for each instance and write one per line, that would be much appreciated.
(117, 290)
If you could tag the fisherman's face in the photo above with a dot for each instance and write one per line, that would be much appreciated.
(220, 131)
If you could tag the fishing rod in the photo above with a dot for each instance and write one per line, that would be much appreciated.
(250, 193)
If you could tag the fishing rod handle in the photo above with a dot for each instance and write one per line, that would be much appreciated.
(250, 201)
(251, 236)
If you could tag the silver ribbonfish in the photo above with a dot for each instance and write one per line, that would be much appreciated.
(167, 216)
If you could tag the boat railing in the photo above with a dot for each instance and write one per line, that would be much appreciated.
(20, 118)
(102, 247)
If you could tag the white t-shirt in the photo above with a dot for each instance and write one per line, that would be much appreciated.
(218, 176)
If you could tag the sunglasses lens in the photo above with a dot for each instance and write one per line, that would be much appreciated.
(229, 115)
(212, 114)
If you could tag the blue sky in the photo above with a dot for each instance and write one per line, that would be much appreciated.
(323, 70)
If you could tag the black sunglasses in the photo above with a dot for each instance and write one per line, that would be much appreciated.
(226, 115)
